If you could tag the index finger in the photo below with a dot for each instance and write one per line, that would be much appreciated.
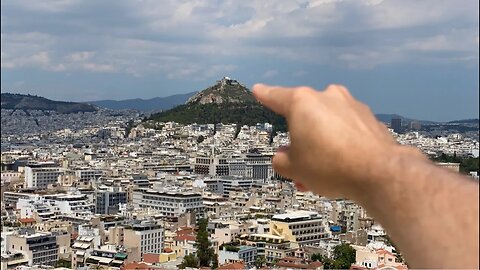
(278, 99)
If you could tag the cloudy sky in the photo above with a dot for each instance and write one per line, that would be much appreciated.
(416, 58)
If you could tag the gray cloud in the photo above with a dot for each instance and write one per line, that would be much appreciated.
(106, 48)
(178, 37)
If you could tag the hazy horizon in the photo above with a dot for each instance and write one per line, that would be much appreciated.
(416, 59)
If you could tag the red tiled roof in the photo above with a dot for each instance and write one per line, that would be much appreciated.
(316, 264)
(151, 258)
(167, 250)
(185, 237)
(235, 265)
(27, 220)
(185, 230)
(296, 264)
(139, 266)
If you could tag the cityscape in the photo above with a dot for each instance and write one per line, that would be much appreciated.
(246, 135)
(117, 190)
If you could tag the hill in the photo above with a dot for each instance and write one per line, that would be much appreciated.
(29, 102)
(225, 90)
(227, 101)
(387, 118)
(145, 105)
(466, 121)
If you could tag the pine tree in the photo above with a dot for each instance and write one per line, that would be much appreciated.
(189, 261)
(205, 252)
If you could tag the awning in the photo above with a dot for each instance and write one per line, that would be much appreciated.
(117, 262)
(121, 256)
(81, 245)
(105, 260)
(77, 245)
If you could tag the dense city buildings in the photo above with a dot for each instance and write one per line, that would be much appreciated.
(99, 194)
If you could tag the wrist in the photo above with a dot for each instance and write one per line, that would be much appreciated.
(385, 173)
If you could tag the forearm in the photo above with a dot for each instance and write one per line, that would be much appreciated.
(430, 213)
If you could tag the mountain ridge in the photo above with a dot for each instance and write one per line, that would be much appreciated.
(30, 102)
(182, 99)
(145, 105)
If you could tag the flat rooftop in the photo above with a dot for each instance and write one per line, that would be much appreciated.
(297, 215)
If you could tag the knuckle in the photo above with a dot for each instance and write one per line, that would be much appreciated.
(339, 91)
(332, 87)
(301, 93)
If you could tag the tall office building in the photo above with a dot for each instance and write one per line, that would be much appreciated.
(396, 124)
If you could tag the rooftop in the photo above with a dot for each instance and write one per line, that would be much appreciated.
(296, 215)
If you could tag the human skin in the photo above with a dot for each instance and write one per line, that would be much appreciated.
(339, 150)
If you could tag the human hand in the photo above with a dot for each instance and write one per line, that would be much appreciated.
(336, 143)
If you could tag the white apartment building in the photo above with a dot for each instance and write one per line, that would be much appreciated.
(11, 198)
(38, 176)
(229, 184)
(72, 204)
(169, 203)
(36, 207)
(87, 175)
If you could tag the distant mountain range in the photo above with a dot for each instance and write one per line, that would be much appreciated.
(226, 101)
(386, 118)
(466, 121)
(29, 102)
(145, 105)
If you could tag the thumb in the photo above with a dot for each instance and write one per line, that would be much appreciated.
(281, 162)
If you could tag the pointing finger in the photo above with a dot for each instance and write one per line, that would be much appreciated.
(278, 99)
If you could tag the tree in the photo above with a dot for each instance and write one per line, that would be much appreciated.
(327, 262)
(272, 135)
(215, 262)
(189, 261)
(128, 128)
(200, 139)
(344, 256)
(260, 261)
(238, 128)
(316, 257)
(205, 252)
(63, 263)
